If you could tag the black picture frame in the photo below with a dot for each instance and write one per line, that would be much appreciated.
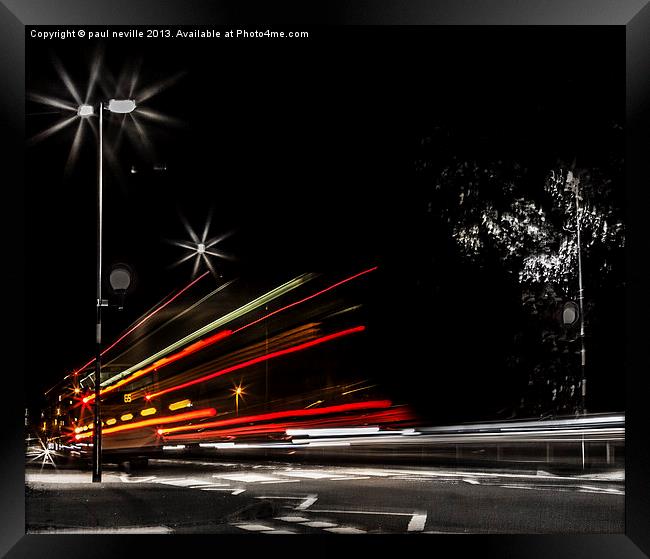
(634, 15)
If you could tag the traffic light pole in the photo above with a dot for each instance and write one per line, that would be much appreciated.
(583, 379)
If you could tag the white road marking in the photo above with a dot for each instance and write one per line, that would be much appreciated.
(278, 532)
(591, 489)
(471, 481)
(310, 474)
(128, 479)
(246, 478)
(363, 512)
(254, 527)
(308, 502)
(417, 522)
(345, 530)
(292, 518)
(319, 524)
(188, 462)
(232, 491)
(368, 472)
(280, 481)
(183, 482)
(350, 477)
(293, 498)
(102, 530)
(66, 478)
(565, 489)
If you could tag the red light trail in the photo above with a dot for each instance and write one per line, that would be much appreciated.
(165, 361)
(201, 344)
(142, 322)
(340, 408)
(306, 298)
(384, 416)
(260, 359)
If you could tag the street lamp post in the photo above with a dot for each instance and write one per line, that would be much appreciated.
(115, 106)
(97, 433)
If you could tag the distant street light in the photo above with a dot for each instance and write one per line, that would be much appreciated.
(238, 391)
(115, 106)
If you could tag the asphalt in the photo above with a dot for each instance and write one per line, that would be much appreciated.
(179, 496)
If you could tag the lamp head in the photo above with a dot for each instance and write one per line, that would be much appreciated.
(121, 105)
(85, 110)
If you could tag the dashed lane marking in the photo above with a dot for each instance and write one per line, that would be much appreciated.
(209, 485)
(309, 474)
(230, 489)
(254, 527)
(345, 530)
(349, 477)
(246, 478)
(103, 530)
(319, 524)
(184, 482)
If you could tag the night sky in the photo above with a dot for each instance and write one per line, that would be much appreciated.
(305, 149)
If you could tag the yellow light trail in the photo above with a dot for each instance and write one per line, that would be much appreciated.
(178, 405)
(237, 313)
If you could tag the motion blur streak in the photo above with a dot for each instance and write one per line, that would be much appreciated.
(388, 416)
(178, 405)
(141, 322)
(188, 416)
(260, 359)
(208, 341)
(332, 432)
(376, 404)
(307, 298)
(201, 344)
(290, 338)
(237, 313)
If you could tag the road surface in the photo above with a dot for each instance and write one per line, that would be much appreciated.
(182, 496)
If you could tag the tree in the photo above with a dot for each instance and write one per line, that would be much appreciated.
(501, 214)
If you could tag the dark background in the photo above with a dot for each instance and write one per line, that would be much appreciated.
(306, 148)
